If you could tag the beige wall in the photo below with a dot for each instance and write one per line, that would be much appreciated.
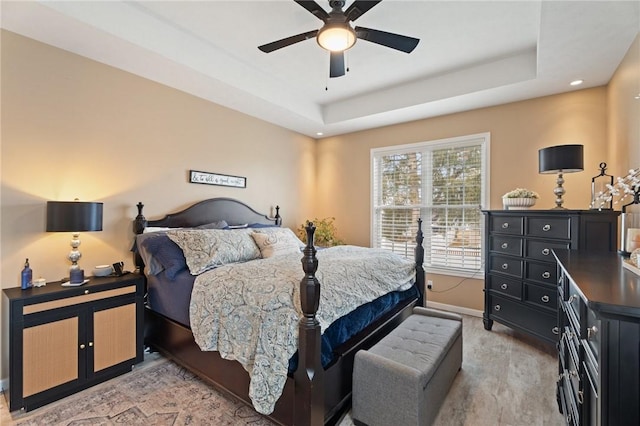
(72, 127)
(624, 113)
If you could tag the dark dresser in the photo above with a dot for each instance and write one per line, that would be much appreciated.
(520, 270)
(599, 348)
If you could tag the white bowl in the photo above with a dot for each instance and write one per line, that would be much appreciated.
(102, 270)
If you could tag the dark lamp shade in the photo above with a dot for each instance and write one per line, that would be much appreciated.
(73, 216)
(561, 159)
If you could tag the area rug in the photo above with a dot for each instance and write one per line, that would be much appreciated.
(160, 394)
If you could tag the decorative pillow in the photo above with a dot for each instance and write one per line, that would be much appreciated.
(208, 248)
(166, 254)
(276, 242)
(149, 229)
(278, 229)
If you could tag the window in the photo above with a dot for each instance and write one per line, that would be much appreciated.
(444, 182)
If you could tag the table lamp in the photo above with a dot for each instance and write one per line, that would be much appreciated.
(561, 159)
(74, 216)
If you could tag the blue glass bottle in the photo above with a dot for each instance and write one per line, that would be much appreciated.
(27, 276)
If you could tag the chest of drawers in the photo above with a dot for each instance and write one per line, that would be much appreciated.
(599, 347)
(520, 270)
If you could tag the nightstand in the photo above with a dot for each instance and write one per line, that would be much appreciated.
(64, 339)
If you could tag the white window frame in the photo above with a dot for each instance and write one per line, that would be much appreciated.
(482, 139)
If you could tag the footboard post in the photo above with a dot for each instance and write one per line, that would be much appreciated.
(419, 257)
(309, 380)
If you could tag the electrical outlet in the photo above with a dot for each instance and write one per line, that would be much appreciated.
(429, 284)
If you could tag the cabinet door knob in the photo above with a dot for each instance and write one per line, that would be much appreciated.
(555, 330)
(497, 307)
(504, 286)
(90, 344)
(546, 227)
(505, 266)
(505, 225)
(546, 275)
(82, 346)
(546, 251)
(504, 246)
(591, 332)
(545, 298)
(86, 292)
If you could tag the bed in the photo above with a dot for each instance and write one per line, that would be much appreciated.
(317, 386)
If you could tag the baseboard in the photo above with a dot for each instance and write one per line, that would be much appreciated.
(454, 308)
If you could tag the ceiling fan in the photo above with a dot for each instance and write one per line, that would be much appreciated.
(337, 35)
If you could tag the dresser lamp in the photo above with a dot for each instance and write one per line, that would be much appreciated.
(561, 159)
(74, 216)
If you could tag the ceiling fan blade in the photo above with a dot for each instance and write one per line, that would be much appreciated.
(336, 64)
(279, 44)
(394, 41)
(314, 8)
(359, 8)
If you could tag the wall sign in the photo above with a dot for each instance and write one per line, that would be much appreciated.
(217, 179)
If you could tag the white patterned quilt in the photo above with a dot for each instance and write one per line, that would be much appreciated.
(249, 311)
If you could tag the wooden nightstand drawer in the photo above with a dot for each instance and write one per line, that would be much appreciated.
(506, 265)
(542, 250)
(508, 286)
(543, 296)
(541, 272)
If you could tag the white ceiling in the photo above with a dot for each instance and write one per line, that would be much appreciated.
(471, 54)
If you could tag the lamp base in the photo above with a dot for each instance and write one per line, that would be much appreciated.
(559, 191)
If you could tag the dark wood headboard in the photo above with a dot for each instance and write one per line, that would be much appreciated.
(232, 211)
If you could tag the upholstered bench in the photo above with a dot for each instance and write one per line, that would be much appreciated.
(404, 378)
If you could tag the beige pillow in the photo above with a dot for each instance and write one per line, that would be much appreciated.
(276, 242)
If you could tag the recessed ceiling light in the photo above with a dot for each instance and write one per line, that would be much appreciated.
(319, 134)
(576, 82)
(637, 96)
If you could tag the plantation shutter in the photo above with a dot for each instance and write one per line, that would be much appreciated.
(443, 183)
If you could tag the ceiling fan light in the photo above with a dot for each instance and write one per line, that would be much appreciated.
(336, 38)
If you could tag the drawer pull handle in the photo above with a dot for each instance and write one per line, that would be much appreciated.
(546, 275)
(580, 397)
(86, 292)
(546, 252)
(572, 298)
(505, 225)
(591, 332)
(504, 246)
(90, 344)
(497, 307)
(504, 286)
(555, 330)
(505, 266)
(573, 373)
(546, 227)
(82, 346)
(545, 298)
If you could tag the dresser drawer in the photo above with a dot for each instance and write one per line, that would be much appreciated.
(506, 265)
(541, 250)
(506, 245)
(549, 227)
(546, 297)
(593, 334)
(507, 225)
(508, 286)
(518, 314)
(545, 273)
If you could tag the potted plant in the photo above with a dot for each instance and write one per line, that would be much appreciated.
(519, 199)
(326, 234)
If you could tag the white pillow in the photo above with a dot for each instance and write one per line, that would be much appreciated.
(276, 241)
(156, 229)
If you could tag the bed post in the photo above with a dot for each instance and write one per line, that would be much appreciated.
(419, 257)
(309, 380)
(277, 217)
(139, 224)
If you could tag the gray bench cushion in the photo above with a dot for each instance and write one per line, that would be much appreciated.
(421, 342)
(404, 378)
